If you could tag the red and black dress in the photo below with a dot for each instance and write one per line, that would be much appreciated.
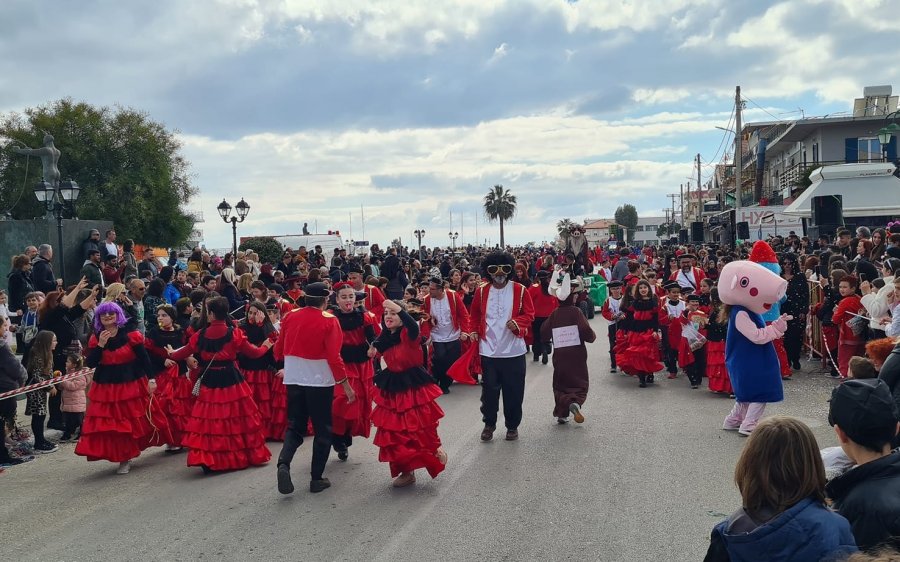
(224, 431)
(121, 419)
(716, 371)
(406, 415)
(348, 420)
(173, 384)
(638, 353)
(259, 372)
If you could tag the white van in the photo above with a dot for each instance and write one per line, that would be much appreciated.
(328, 242)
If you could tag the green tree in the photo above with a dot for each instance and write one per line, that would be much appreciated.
(562, 228)
(129, 168)
(500, 204)
(666, 230)
(269, 249)
(627, 216)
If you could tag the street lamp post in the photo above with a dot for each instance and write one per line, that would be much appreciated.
(453, 236)
(56, 201)
(420, 233)
(886, 132)
(241, 211)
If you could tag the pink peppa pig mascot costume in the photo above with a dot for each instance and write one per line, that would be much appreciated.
(750, 290)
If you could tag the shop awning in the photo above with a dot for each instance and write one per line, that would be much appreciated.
(866, 190)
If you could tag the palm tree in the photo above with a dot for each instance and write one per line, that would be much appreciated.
(500, 205)
(562, 228)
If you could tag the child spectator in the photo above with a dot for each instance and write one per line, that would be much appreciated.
(864, 418)
(824, 311)
(878, 351)
(861, 368)
(40, 368)
(782, 483)
(74, 399)
(850, 342)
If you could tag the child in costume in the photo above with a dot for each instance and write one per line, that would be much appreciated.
(672, 309)
(612, 311)
(716, 372)
(692, 351)
(569, 330)
(749, 289)
(638, 354)
(544, 305)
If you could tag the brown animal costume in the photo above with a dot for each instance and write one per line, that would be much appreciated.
(577, 244)
(569, 330)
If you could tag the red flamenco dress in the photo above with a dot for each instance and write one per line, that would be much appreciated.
(638, 353)
(406, 415)
(224, 431)
(259, 372)
(121, 419)
(173, 385)
(716, 371)
(348, 420)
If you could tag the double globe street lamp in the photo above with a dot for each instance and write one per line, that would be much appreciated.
(453, 236)
(888, 131)
(57, 200)
(419, 235)
(241, 210)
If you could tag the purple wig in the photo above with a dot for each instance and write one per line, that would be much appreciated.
(106, 308)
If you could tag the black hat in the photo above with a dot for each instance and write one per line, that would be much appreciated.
(672, 285)
(893, 252)
(693, 298)
(354, 268)
(614, 284)
(543, 274)
(317, 290)
(865, 410)
(277, 288)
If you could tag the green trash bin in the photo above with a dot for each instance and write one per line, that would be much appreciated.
(597, 290)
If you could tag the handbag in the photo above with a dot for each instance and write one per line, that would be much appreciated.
(196, 390)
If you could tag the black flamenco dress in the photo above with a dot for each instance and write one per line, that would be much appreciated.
(638, 352)
(173, 384)
(406, 415)
(259, 372)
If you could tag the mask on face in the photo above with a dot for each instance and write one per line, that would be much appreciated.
(499, 279)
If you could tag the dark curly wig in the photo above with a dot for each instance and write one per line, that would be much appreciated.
(497, 258)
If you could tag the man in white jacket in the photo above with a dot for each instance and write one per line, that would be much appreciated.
(877, 301)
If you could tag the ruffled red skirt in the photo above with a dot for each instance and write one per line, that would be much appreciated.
(121, 421)
(639, 353)
(224, 431)
(406, 424)
(353, 419)
(176, 399)
(277, 424)
(716, 371)
(260, 383)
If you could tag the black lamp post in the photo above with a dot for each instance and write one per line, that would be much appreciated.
(241, 210)
(420, 234)
(56, 201)
(453, 236)
(886, 132)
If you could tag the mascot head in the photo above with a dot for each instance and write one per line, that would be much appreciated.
(498, 267)
(764, 255)
(748, 284)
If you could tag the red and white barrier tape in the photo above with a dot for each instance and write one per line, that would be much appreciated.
(44, 384)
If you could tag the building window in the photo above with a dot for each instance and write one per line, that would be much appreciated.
(815, 153)
(651, 227)
(639, 228)
(869, 150)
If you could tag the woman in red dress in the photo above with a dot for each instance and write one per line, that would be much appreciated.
(224, 431)
(406, 415)
(173, 386)
(121, 419)
(259, 372)
(349, 419)
(716, 371)
(639, 353)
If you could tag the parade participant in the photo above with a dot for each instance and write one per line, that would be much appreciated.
(173, 386)
(692, 350)
(716, 371)
(406, 414)
(749, 289)
(763, 254)
(121, 419)
(638, 354)
(688, 277)
(40, 369)
(569, 330)
(359, 328)
(544, 305)
(502, 312)
(612, 312)
(259, 372)
(449, 325)
(310, 346)
(294, 294)
(374, 297)
(224, 431)
(850, 343)
(672, 308)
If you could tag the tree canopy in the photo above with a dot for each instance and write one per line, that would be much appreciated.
(626, 215)
(500, 204)
(129, 168)
(268, 249)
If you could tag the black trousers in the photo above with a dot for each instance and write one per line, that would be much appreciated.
(793, 339)
(611, 336)
(7, 422)
(670, 356)
(506, 375)
(308, 403)
(696, 369)
(73, 422)
(538, 347)
(445, 354)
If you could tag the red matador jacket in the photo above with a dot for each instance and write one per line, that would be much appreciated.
(457, 310)
(312, 333)
(374, 301)
(522, 315)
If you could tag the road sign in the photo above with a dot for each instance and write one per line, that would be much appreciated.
(361, 243)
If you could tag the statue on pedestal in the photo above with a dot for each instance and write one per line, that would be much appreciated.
(49, 156)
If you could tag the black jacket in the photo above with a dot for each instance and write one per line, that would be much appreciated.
(12, 373)
(869, 497)
(42, 276)
(797, 302)
(19, 284)
(890, 374)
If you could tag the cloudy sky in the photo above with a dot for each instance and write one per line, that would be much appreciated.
(413, 109)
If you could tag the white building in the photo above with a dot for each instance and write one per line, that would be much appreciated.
(645, 232)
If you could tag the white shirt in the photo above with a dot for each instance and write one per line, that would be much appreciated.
(686, 281)
(674, 310)
(499, 341)
(307, 372)
(111, 248)
(443, 330)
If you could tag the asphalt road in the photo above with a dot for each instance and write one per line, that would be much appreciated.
(644, 478)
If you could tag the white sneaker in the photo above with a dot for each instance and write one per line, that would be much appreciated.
(727, 427)
(745, 432)
(124, 467)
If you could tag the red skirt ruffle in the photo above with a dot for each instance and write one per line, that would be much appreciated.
(354, 419)
(277, 424)
(716, 371)
(224, 431)
(121, 421)
(639, 353)
(260, 383)
(407, 425)
(176, 399)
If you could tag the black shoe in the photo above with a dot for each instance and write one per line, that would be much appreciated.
(343, 454)
(643, 381)
(16, 462)
(651, 379)
(45, 447)
(206, 469)
(488, 433)
(445, 389)
(796, 365)
(512, 435)
(65, 438)
(536, 358)
(285, 486)
(316, 486)
(544, 359)
(695, 386)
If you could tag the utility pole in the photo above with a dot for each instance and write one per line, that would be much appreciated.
(699, 192)
(681, 198)
(738, 147)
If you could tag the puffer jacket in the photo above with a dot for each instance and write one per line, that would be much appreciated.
(74, 397)
(869, 497)
(12, 373)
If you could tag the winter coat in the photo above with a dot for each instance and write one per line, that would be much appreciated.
(806, 532)
(19, 284)
(869, 497)
(42, 276)
(74, 397)
(12, 372)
